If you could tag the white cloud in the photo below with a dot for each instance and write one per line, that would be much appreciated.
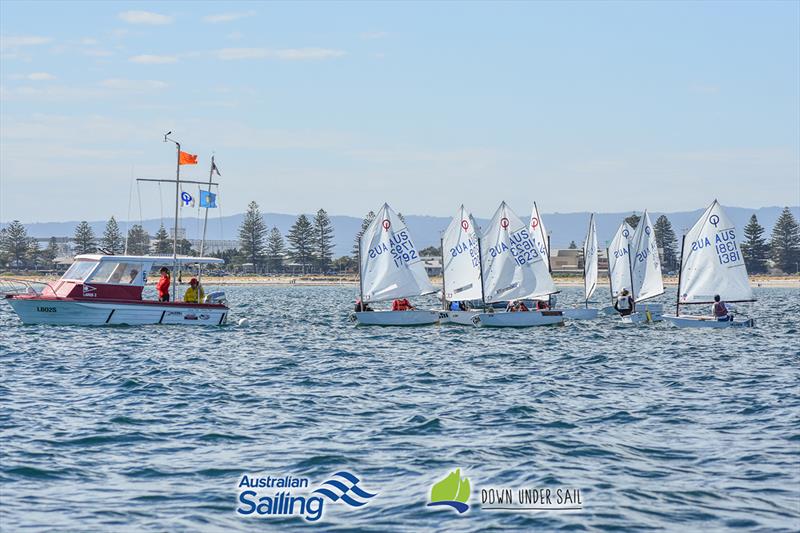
(132, 85)
(374, 35)
(8, 42)
(228, 17)
(145, 17)
(147, 59)
(288, 54)
(33, 76)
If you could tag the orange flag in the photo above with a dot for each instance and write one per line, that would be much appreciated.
(187, 159)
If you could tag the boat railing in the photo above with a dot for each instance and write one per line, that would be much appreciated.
(16, 287)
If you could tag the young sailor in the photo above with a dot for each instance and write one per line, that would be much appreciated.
(720, 310)
(402, 304)
(360, 306)
(624, 303)
(163, 285)
(194, 293)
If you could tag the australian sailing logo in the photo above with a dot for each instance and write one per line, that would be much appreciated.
(452, 491)
(278, 499)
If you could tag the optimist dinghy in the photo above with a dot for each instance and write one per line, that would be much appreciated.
(389, 268)
(513, 267)
(461, 268)
(645, 273)
(711, 264)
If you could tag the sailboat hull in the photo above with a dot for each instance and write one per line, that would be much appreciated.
(523, 319)
(395, 318)
(708, 322)
(642, 317)
(580, 313)
(462, 318)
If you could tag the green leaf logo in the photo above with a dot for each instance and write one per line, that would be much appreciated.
(453, 490)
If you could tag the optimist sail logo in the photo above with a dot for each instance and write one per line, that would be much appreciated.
(289, 496)
(452, 491)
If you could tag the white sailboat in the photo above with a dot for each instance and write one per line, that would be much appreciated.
(711, 264)
(513, 267)
(589, 275)
(461, 267)
(390, 267)
(645, 272)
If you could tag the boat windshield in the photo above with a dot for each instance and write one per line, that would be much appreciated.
(79, 270)
(118, 273)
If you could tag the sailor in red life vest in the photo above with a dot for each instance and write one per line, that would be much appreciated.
(720, 310)
(163, 285)
(402, 304)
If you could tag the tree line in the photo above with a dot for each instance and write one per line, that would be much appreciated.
(310, 244)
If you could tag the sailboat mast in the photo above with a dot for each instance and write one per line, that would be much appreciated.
(585, 246)
(480, 270)
(360, 278)
(610, 281)
(177, 205)
(680, 271)
(630, 270)
(444, 295)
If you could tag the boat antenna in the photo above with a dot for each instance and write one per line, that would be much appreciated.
(177, 205)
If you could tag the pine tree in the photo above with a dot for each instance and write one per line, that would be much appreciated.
(3, 247)
(755, 249)
(50, 253)
(633, 220)
(138, 240)
(785, 243)
(323, 240)
(252, 233)
(665, 240)
(84, 239)
(275, 250)
(184, 247)
(364, 225)
(112, 241)
(34, 253)
(301, 241)
(162, 244)
(16, 244)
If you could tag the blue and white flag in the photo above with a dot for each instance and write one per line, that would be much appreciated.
(208, 199)
(187, 199)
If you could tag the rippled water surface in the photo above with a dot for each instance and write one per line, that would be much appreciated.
(150, 428)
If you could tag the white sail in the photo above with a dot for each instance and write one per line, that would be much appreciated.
(590, 260)
(390, 263)
(646, 278)
(539, 232)
(513, 266)
(712, 261)
(619, 267)
(461, 264)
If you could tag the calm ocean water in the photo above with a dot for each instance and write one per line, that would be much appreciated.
(150, 428)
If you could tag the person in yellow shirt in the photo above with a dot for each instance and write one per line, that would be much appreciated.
(194, 293)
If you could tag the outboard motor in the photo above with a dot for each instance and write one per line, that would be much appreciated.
(217, 297)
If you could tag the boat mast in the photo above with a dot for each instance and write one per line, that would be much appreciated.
(360, 278)
(444, 295)
(177, 205)
(480, 269)
(630, 270)
(680, 271)
(205, 219)
(585, 246)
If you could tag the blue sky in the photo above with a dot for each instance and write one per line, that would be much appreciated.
(580, 106)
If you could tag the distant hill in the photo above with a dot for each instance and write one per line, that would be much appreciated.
(426, 230)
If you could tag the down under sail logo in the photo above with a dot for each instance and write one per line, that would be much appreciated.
(452, 491)
(289, 496)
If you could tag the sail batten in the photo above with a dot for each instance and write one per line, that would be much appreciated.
(513, 260)
(390, 266)
(712, 261)
(461, 263)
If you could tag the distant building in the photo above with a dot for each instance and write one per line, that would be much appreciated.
(433, 265)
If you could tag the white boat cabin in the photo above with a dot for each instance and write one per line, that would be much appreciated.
(116, 277)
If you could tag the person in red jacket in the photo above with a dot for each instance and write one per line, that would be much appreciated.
(163, 285)
(402, 304)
